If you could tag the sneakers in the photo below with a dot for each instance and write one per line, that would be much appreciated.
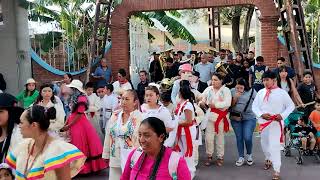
(249, 159)
(240, 161)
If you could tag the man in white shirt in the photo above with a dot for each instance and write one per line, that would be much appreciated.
(205, 68)
(109, 105)
(272, 105)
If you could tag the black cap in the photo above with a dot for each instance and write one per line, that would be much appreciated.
(169, 60)
(7, 100)
(196, 73)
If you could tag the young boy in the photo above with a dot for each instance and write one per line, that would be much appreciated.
(109, 105)
(308, 92)
(315, 120)
(93, 112)
(256, 72)
(272, 105)
(306, 135)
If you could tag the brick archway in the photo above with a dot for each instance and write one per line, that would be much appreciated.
(120, 28)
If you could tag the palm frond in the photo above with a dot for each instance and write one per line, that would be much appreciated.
(175, 13)
(144, 17)
(174, 27)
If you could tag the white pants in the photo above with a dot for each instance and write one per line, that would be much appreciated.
(114, 173)
(270, 143)
(190, 160)
(195, 154)
(214, 140)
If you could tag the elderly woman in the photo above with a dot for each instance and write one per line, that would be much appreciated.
(41, 156)
(122, 133)
(243, 120)
(9, 120)
(153, 160)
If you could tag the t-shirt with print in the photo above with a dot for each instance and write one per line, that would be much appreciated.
(307, 92)
(257, 72)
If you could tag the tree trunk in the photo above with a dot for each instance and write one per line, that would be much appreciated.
(246, 29)
(236, 28)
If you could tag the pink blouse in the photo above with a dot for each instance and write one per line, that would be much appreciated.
(147, 167)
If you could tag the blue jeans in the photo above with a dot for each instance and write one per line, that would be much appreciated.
(244, 132)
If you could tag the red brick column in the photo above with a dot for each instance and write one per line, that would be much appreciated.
(269, 41)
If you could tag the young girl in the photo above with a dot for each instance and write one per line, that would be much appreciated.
(82, 133)
(287, 84)
(218, 98)
(6, 172)
(47, 100)
(29, 95)
(10, 135)
(186, 132)
(152, 108)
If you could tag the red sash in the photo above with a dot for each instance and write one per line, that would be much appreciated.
(222, 115)
(266, 124)
(187, 133)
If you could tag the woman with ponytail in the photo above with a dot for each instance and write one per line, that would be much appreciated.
(186, 132)
(39, 155)
(9, 120)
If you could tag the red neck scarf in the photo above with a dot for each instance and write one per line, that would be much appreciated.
(266, 97)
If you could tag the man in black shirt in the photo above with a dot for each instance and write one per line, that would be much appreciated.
(142, 85)
(251, 59)
(155, 70)
(171, 68)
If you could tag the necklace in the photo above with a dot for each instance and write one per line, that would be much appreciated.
(27, 168)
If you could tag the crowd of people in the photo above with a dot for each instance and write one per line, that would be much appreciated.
(153, 131)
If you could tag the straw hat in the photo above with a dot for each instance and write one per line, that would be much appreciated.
(76, 84)
(30, 80)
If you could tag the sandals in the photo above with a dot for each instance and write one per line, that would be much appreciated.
(219, 162)
(276, 177)
(208, 162)
(267, 165)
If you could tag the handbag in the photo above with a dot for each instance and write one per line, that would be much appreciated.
(236, 115)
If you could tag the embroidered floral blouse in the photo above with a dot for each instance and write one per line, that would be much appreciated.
(121, 136)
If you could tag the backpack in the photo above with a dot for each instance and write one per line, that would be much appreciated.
(173, 162)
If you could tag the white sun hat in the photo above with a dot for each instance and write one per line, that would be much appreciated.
(76, 84)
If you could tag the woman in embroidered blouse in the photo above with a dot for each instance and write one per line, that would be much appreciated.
(41, 156)
(218, 99)
(122, 133)
(10, 134)
(152, 109)
(152, 160)
(47, 100)
(186, 131)
(287, 84)
(82, 133)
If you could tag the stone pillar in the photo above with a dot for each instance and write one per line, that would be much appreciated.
(23, 46)
(8, 46)
(269, 42)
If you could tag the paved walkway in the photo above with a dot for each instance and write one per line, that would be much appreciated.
(290, 170)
